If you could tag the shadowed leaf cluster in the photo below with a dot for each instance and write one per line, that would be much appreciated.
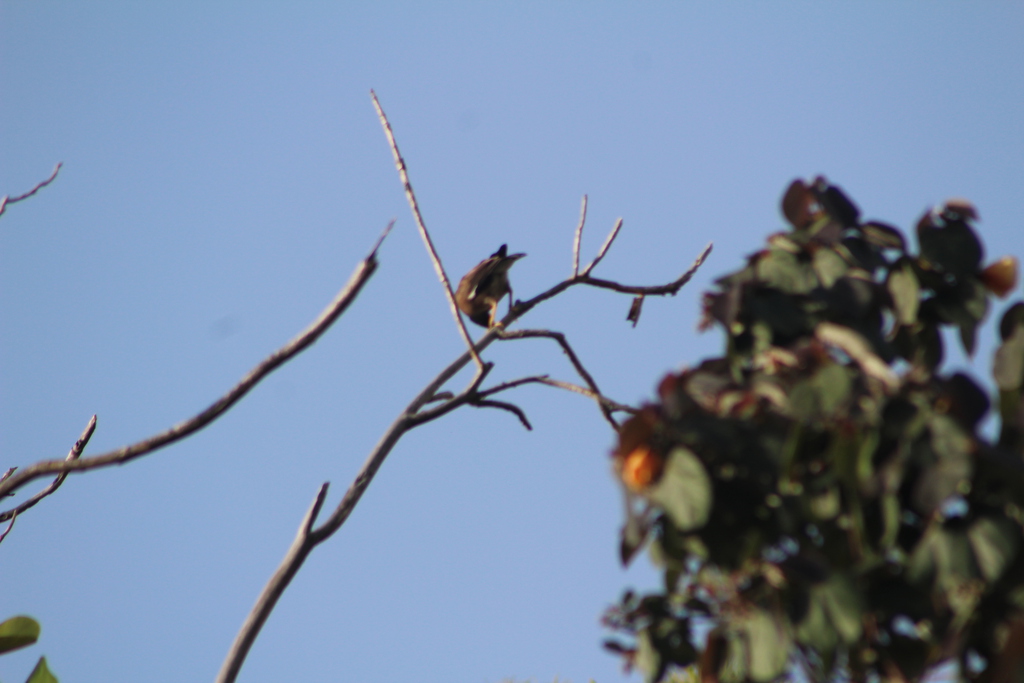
(820, 493)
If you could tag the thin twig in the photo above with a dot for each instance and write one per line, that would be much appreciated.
(179, 431)
(604, 247)
(613, 406)
(421, 226)
(467, 395)
(6, 200)
(578, 237)
(297, 554)
(671, 288)
(510, 407)
(573, 358)
(73, 454)
(9, 527)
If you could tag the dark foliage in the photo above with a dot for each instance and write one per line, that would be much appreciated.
(820, 492)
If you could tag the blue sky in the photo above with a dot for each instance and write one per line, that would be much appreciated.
(224, 172)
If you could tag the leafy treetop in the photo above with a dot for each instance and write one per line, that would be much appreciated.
(820, 492)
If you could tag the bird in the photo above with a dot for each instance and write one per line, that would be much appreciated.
(485, 285)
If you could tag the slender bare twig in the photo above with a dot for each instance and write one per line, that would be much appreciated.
(179, 431)
(510, 407)
(297, 554)
(573, 358)
(7, 200)
(467, 395)
(8, 473)
(421, 226)
(613, 406)
(73, 454)
(578, 237)
(604, 247)
(9, 527)
(659, 290)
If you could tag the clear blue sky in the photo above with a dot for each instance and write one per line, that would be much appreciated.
(224, 172)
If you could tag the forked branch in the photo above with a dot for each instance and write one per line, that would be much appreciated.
(73, 454)
(303, 340)
(414, 414)
(422, 227)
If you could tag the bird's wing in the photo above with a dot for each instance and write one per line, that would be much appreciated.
(487, 271)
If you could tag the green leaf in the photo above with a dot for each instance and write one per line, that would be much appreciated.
(41, 674)
(768, 645)
(842, 603)
(824, 505)
(829, 267)
(942, 557)
(953, 559)
(782, 270)
(905, 292)
(883, 236)
(684, 490)
(821, 394)
(815, 630)
(18, 632)
(1008, 365)
(647, 657)
(952, 467)
(995, 542)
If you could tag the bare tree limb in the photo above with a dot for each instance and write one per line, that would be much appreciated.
(510, 407)
(73, 454)
(9, 527)
(297, 554)
(304, 339)
(7, 200)
(434, 258)
(613, 406)
(573, 358)
(604, 247)
(659, 290)
(578, 237)
(414, 414)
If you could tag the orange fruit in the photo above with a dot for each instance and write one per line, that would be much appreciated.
(641, 468)
(1000, 277)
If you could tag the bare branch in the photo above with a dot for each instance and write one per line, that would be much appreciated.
(671, 288)
(467, 395)
(573, 358)
(6, 200)
(179, 431)
(510, 407)
(434, 258)
(613, 406)
(73, 454)
(296, 555)
(9, 527)
(578, 237)
(414, 415)
(505, 386)
(604, 247)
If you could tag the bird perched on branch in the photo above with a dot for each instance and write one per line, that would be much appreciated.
(483, 287)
